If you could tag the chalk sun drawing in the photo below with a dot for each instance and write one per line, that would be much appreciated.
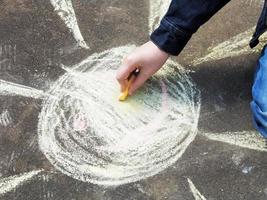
(64, 9)
(95, 138)
(121, 142)
(5, 118)
(246, 139)
(87, 134)
(197, 195)
(10, 183)
(235, 46)
(157, 10)
(13, 89)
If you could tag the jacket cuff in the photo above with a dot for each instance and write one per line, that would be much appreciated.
(170, 38)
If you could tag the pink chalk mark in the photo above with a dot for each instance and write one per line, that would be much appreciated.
(80, 122)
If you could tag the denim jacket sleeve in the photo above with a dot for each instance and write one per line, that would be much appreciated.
(183, 18)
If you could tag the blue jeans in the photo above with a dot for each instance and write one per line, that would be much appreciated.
(259, 95)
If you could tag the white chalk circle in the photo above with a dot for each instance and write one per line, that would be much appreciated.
(86, 133)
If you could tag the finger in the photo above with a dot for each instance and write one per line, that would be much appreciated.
(138, 82)
(124, 72)
(123, 84)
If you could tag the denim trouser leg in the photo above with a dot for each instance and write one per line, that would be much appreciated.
(259, 95)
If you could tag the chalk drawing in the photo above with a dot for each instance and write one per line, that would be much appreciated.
(8, 55)
(118, 142)
(13, 89)
(197, 195)
(10, 183)
(235, 46)
(5, 118)
(96, 138)
(246, 139)
(157, 10)
(86, 133)
(64, 9)
(80, 122)
(247, 169)
(238, 158)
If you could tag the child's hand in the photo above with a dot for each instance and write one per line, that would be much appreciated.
(148, 58)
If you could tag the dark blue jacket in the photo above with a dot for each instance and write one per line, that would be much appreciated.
(184, 17)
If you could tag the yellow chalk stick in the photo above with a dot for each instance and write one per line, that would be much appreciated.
(124, 94)
(132, 76)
